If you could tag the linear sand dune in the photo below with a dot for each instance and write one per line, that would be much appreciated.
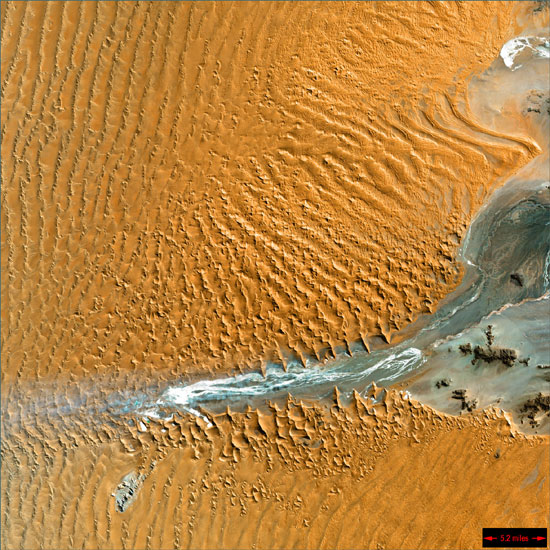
(199, 186)
(390, 475)
(209, 186)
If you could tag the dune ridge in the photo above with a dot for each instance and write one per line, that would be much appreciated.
(198, 199)
(197, 188)
(299, 475)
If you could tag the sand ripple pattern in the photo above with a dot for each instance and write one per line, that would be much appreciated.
(191, 187)
(214, 185)
(198, 186)
(296, 476)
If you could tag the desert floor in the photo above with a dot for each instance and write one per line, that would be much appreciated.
(197, 189)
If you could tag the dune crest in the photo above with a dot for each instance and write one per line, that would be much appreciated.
(210, 186)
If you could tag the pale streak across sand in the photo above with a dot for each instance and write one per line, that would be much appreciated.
(387, 366)
(383, 366)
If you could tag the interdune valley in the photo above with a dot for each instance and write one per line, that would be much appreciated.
(259, 192)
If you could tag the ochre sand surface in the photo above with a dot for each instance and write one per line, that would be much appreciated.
(213, 185)
(197, 188)
(392, 475)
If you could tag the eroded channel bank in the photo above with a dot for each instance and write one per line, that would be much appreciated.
(506, 254)
(506, 284)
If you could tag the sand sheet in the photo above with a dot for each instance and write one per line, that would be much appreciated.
(197, 188)
(207, 186)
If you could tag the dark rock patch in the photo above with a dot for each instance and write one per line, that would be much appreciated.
(533, 407)
(126, 491)
(465, 348)
(490, 354)
(517, 279)
(538, 102)
(487, 354)
(489, 335)
(466, 404)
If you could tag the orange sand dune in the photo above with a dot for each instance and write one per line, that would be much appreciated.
(212, 185)
(392, 475)
(201, 187)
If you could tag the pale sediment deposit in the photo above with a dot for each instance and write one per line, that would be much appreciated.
(304, 195)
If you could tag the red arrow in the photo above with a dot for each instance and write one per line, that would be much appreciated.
(539, 538)
(489, 538)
